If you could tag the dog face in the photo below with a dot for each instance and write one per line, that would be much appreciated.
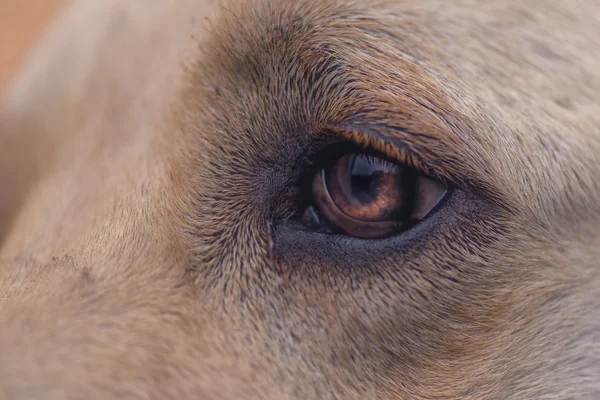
(304, 200)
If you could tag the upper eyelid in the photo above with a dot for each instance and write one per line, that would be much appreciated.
(401, 153)
(450, 163)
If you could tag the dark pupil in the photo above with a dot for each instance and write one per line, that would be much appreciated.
(370, 188)
(366, 178)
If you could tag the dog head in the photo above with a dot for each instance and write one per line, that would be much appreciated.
(304, 200)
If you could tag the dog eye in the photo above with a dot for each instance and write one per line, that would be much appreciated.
(369, 197)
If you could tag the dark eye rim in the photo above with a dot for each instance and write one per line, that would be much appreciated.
(468, 204)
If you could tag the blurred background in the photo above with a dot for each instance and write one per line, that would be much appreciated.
(21, 24)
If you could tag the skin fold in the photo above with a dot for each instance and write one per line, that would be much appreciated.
(152, 156)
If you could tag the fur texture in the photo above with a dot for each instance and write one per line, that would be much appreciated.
(151, 157)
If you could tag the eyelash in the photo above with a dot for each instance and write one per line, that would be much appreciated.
(369, 145)
(317, 159)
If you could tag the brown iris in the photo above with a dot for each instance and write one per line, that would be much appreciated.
(370, 197)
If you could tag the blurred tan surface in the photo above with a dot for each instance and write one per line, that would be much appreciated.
(21, 23)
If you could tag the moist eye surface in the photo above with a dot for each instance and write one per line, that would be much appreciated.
(368, 188)
(365, 196)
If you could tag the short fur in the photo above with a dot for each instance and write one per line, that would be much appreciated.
(150, 163)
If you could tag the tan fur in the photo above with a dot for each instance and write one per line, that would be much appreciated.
(21, 24)
(148, 162)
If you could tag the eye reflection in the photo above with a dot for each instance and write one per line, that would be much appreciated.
(369, 188)
(369, 197)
